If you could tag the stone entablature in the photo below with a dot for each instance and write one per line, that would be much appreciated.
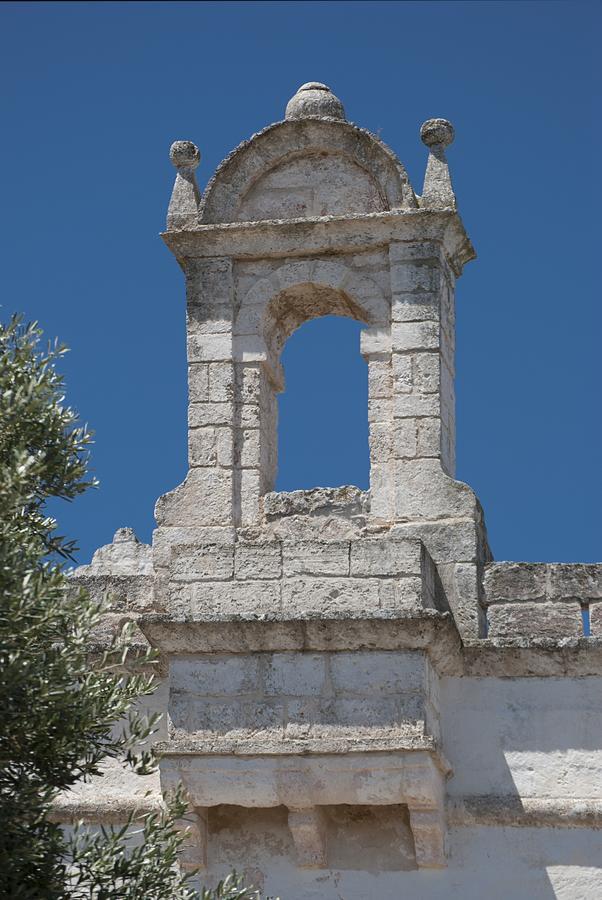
(351, 683)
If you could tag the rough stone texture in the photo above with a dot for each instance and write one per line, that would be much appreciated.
(541, 599)
(314, 99)
(336, 708)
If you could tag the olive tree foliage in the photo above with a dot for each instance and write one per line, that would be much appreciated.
(57, 710)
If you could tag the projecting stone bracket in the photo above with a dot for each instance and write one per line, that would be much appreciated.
(415, 778)
(429, 832)
(193, 851)
(308, 828)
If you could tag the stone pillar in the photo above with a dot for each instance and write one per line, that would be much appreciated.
(423, 354)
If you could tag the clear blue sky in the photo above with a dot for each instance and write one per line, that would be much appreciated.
(92, 97)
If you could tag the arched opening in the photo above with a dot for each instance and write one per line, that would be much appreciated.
(323, 413)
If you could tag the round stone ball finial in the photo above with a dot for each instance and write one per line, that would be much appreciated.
(437, 131)
(184, 155)
(314, 99)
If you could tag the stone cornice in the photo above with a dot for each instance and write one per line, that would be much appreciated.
(430, 631)
(324, 234)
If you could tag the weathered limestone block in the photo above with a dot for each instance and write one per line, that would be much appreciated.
(377, 673)
(380, 379)
(415, 307)
(347, 501)
(121, 575)
(166, 537)
(424, 491)
(383, 556)
(210, 446)
(505, 582)
(578, 581)
(216, 600)
(124, 556)
(296, 674)
(416, 336)
(204, 498)
(540, 599)
(542, 620)
(332, 597)
(416, 405)
(313, 558)
(258, 561)
(202, 415)
(215, 675)
(208, 562)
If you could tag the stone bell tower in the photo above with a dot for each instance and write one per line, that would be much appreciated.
(355, 694)
(315, 216)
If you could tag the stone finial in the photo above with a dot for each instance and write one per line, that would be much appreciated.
(185, 197)
(438, 193)
(125, 536)
(437, 131)
(184, 155)
(314, 99)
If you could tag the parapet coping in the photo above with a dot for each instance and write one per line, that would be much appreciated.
(429, 631)
(307, 236)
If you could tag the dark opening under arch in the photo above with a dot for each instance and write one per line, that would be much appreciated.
(323, 413)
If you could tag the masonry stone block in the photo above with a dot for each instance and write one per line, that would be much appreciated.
(408, 307)
(221, 382)
(380, 379)
(209, 347)
(258, 561)
(429, 437)
(426, 372)
(216, 675)
(415, 336)
(305, 558)
(209, 562)
(309, 831)
(201, 415)
(222, 600)
(505, 582)
(377, 673)
(415, 276)
(416, 405)
(382, 556)
(405, 438)
(295, 674)
(204, 498)
(542, 620)
(329, 597)
(581, 582)
(209, 319)
(198, 382)
(402, 373)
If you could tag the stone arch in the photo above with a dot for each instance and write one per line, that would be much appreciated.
(306, 139)
(299, 291)
(272, 309)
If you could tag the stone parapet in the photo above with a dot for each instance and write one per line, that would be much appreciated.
(543, 600)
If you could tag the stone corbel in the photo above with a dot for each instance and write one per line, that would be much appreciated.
(308, 828)
(429, 832)
(193, 852)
